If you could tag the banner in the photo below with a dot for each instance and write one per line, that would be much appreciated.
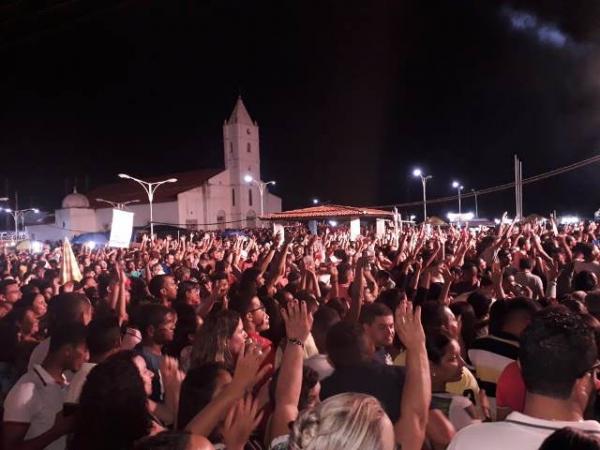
(121, 229)
(379, 228)
(354, 229)
(278, 230)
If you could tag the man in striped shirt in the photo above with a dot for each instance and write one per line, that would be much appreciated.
(491, 354)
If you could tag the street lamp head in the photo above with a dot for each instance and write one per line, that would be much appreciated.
(124, 175)
(248, 179)
(455, 184)
(172, 180)
(3, 199)
(36, 211)
(8, 210)
(417, 172)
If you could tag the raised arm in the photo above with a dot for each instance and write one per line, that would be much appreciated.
(410, 429)
(356, 293)
(298, 322)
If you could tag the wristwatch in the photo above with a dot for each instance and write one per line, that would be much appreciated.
(296, 342)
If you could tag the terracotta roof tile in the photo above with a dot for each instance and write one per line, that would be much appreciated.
(124, 190)
(328, 212)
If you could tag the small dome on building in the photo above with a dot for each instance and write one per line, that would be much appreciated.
(75, 200)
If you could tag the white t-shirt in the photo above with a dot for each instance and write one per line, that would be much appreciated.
(36, 399)
(518, 431)
(77, 383)
(39, 353)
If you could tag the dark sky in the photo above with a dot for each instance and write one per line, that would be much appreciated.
(350, 95)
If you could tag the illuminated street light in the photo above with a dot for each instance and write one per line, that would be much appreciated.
(150, 189)
(19, 214)
(262, 186)
(456, 185)
(419, 174)
(117, 205)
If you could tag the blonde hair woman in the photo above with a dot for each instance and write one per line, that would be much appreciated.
(349, 421)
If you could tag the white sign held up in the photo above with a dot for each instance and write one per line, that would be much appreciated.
(121, 229)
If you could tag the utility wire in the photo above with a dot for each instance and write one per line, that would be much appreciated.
(501, 187)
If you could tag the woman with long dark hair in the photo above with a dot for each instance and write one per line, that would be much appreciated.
(113, 407)
(220, 339)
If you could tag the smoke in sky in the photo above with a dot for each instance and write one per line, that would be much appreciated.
(545, 32)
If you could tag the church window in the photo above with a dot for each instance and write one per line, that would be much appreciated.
(233, 196)
(249, 197)
(231, 147)
(248, 147)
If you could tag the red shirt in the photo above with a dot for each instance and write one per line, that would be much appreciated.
(265, 345)
(510, 389)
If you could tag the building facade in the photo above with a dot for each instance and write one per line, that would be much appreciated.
(200, 199)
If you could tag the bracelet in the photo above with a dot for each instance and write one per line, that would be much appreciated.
(295, 341)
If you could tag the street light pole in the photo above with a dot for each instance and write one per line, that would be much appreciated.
(18, 214)
(262, 186)
(476, 209)
(117, 205)
(424, 179)
(150, 189)
(459, 188)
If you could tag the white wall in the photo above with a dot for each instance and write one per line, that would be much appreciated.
(48, 233)
(166, 212)
(76, 220)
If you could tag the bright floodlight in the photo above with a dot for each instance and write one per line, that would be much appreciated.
(7, 210)
(248, 178)
(333, 223)
(35, 210)
(417, 172)
(315, 201)
(124, 175)
(172, 180)
(455, 184)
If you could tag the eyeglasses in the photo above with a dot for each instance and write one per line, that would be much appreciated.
(261, 307)
(593, 370)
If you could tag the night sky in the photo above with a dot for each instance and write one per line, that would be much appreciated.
(350, 95)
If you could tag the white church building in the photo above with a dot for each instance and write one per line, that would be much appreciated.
(199, 200)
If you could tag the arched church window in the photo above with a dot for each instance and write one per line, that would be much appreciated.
(249, 197)
(231, 147)
(248, 147)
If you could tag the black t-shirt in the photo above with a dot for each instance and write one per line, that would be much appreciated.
(383, 382)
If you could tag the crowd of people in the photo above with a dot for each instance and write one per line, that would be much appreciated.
(420, 338)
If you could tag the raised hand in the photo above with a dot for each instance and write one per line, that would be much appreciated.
(247, 370)
(408, 325)
(239, 423)
(171, 375)
(298, 321)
